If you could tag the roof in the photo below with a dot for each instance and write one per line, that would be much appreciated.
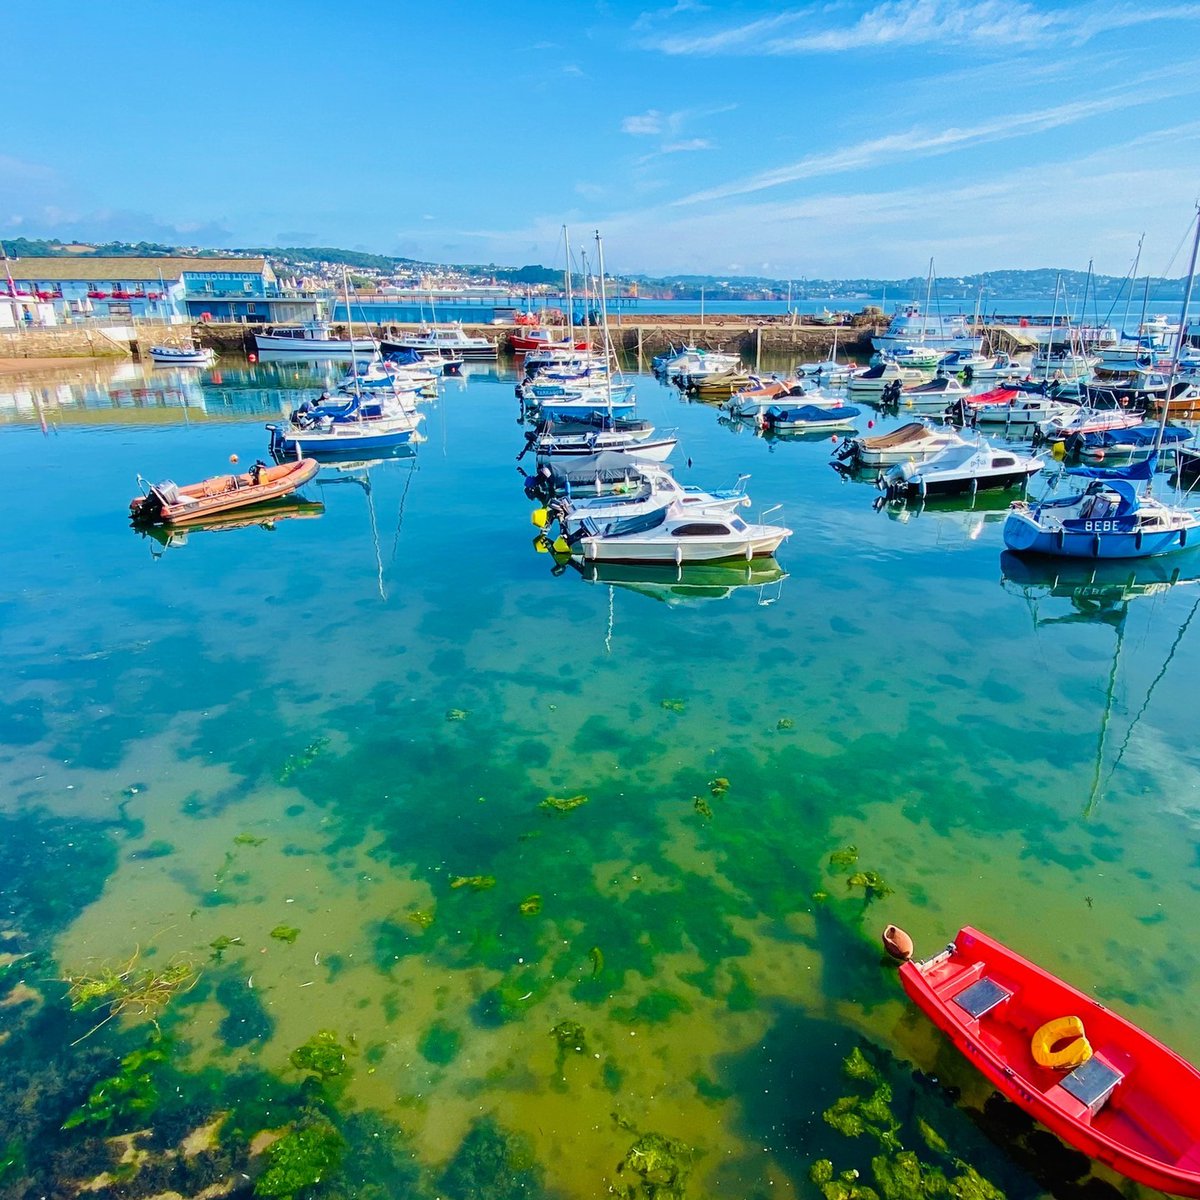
(147, 269)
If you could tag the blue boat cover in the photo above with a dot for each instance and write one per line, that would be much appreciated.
(1137, 470)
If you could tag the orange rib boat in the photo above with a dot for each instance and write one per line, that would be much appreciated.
(1099, 1082)
(168, 503)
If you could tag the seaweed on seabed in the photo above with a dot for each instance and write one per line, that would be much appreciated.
(900, 1174)
(655, 1167)
(322, 1057)
(492, 1164)
(126, 1096)
(304, 1156)
(872, 883)
(306, 757)
(563, 803)
(126, 989)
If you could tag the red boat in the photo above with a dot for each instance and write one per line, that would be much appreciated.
(996, 395)
(1099, 1082)
(543, 339)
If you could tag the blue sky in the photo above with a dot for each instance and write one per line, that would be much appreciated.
(833, 139)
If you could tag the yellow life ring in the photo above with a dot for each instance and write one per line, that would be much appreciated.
(1061, 1044)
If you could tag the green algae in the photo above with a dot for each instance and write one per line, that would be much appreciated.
(457, 714)
(440, 1044)
(672, 705)
(476, 883)
(719, 786)
(296, 763)
(492, 1163)
(126, 1097)
(128, 989)
(422, 918)
(221, 944)
(285, 933)
(563, 804)
(872, 883)
(322, 1057)
(305, 1156)
(784, 724)
(596, 958)
(702, 806)
(655, 1167)
(656, 1007)
(530, 906)
(248, 839)
(845, 857)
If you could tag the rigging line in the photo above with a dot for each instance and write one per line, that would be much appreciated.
(375, 541)
(400, 512)
(1094, 791)
(1150, 691)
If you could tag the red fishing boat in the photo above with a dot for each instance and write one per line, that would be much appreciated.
(1099, 1082)
(169, 503)
(542, 338)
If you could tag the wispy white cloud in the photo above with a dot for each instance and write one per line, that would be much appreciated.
(645, 125)
(995, 25)
(925, 142)
(686, 145)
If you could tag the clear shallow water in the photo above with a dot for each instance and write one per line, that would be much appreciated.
(323, 725)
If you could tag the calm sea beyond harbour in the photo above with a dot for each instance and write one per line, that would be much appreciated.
(483, 879)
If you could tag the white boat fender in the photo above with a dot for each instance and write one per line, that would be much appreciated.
(678, 556)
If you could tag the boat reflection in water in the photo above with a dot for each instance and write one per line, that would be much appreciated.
(266, 516)
(689, 582)
(1099, 589)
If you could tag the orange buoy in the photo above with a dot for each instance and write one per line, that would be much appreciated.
(897, 943)
(233, 458)
(252, 358)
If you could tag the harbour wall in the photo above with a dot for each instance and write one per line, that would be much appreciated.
(750, 337)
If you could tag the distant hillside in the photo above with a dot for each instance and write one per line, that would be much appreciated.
(963, 291)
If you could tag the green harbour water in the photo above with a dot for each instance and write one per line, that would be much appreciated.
(306, 768)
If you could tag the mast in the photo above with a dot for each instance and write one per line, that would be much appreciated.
(350, 325)
(604, 325)
(1137, 258)
(928, 293)
(1053, 326)
(570, 298)
(1181, 336)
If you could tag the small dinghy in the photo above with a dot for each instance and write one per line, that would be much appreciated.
(1094, 1079)
(181, 356)
(167, 503)
(969, 467)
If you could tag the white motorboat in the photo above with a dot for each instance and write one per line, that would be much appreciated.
(875, 379)
(1021, 412)
(676, 534)
(655, 489)
(182, 356)
(914, 442)
(807, 418)
(936, 394)
(314, 339)
(438, 339)
(1002, 366)
(968, 467)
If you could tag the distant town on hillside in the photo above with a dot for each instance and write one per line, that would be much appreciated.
(370, 270)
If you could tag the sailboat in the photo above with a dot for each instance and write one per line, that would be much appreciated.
(1111, 518)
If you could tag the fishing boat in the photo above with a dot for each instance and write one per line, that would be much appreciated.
(542, 338)
(914, 442)
(796, 417)
(168, 503)
(182, 356)
(921, 358)
(314, 339)
(968, 467)
(676, 534)
(1014, 411)
(717, 384)
(1096, 1080)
